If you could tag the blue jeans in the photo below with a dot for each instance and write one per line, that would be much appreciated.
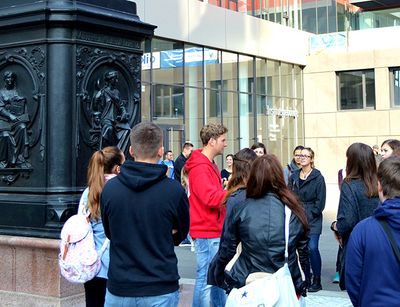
(315, 256)
(165, 300)
(205, 250)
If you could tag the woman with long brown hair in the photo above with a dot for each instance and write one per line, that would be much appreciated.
(103, 165)
(258, 223)
(358, 195)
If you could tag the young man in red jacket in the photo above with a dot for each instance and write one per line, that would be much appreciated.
(206, 211)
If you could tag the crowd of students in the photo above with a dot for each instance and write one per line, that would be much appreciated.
(146, 208)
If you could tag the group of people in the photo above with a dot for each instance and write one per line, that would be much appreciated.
(369, 186)
(145, 214)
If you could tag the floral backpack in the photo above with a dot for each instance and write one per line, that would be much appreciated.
(78, 260)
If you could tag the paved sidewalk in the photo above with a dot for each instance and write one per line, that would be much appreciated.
(320, 298)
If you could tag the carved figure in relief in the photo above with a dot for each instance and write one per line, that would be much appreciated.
(14, 141)
(109, 115)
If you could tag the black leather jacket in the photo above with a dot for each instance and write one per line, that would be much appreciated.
(260, 225)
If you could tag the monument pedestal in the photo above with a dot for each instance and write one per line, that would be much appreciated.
(70, 82)
(30, 275)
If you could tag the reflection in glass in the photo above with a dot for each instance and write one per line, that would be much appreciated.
(245, 73)
(309, 15)
(168, 61)
(145, 104)
(356, 89)
(146, 60)
(212, 68)
(261, 76)
(395, 80)
(287, 80)
(193, 114)
(213, 105)
(231, 121)
(229, 71)
(298, 82)
(273, 82)
(322, 17)
(194, 65)
(246, 117)
(168, 101)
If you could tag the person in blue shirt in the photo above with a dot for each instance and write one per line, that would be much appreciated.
(169, 162)
(372, 269)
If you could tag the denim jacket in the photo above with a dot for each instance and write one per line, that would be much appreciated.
(98, 234)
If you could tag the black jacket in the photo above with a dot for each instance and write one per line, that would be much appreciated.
(139, 209)
(260, 225)
(354, 206)
(312, 193)
(179, 164)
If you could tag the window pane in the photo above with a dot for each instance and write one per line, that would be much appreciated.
(350, 87)
(261, 76)
(212, 68)
(261, 104)
(231, 121)
(262, 124)
(274, 128)
(193, 115)
(356, 89)
(396, 86)
(322, 14)
(273, 82)
(213, 106)
(145, 102)
(193, 65)
(370, 89)
(287, 80)
(246, 120)
(298, 82)
(146, 60)
(245, 73)
(168, 101)
(309, 15)
(168, 63)
(229, 71)
(332, 27)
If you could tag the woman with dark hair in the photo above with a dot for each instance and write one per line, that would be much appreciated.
(258, 223)
(388, 147)
(358, 195)
(259, 149)
(309, 185)
(226, 172)
(103, 165)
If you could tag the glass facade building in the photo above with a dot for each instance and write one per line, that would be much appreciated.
(315, 16)
(185, 86)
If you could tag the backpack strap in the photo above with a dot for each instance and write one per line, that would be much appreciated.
(288, 213)
(389, 233)
(104, 247)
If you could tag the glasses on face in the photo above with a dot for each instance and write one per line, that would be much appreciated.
(304, 157)
(297, 156)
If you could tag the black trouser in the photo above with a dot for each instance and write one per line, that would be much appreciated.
(95, 292)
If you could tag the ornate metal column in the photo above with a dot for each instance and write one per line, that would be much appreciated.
(69, 85)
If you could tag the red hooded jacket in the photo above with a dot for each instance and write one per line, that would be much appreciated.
(206, 194)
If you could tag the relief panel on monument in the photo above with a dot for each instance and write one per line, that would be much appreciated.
(108, 100)
(21, 113)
